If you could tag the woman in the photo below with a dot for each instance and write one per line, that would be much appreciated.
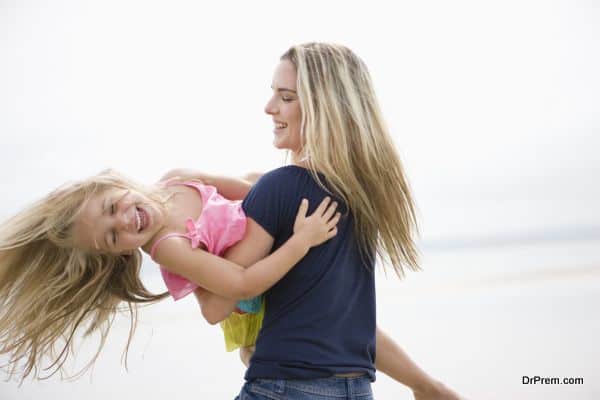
(319, 333)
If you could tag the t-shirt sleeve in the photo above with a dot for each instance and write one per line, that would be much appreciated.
(268, 203)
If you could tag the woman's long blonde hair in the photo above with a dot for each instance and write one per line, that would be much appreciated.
(345, 139)
(49, 288)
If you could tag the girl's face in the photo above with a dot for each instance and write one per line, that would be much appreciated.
(116, 221)
(284, 107)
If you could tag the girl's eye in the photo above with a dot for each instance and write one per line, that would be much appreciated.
(287, 99)
(112, 208)
(114, 238)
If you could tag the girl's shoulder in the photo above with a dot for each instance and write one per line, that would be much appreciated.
(184, 203)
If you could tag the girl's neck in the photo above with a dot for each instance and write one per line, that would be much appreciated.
(168, 193)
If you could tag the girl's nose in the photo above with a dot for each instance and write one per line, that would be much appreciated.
(124, 221)
(121, 222)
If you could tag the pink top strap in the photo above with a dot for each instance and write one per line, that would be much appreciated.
(221, 224)
(168, 235)
(172, 182)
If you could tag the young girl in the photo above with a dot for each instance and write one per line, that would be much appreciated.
(70, 259)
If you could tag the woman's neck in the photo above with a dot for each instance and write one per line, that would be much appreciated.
(299, 159)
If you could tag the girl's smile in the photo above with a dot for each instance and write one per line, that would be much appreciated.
(116, 221)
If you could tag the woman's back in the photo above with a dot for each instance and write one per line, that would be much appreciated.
(320, 318)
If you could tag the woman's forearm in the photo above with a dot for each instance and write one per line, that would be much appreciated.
(246, 354)
(395, 363)
(229, 187)
(214, 308)
(232, 188)
(392, 361)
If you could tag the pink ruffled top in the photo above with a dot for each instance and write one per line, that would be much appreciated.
(221, 224)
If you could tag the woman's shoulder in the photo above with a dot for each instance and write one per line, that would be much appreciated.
(284, 174)
(279, 183)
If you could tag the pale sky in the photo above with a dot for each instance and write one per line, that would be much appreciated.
(495, 107)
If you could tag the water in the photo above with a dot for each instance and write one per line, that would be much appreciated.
(481, 319)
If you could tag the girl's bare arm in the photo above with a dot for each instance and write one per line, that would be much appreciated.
(255, 246)
(216, 308)
(230, 280)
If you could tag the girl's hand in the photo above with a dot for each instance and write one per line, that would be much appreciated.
(320, 226)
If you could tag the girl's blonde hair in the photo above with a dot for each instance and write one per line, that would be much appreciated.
(49, 288)
(345, 139)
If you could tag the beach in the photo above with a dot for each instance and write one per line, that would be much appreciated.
(479, 320)
(494, 108)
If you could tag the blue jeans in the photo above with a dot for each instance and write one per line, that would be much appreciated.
(333, 388)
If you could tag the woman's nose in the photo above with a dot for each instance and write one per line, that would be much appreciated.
(270, 107)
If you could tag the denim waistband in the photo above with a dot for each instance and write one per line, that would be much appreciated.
(342, 387)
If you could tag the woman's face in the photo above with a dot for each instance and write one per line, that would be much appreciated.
(116, 221)
(284, 108)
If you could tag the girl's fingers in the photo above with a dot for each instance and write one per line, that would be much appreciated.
(330, 211)
(331, 233)
(303, 209)
(323, 206)
(334, 221)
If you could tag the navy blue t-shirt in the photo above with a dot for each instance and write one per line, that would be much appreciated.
(320, 318)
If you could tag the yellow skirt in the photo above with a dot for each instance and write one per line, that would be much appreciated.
(241, 330)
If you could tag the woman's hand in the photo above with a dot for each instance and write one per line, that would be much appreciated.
(437, 391)
(320, 226)
(246, 354)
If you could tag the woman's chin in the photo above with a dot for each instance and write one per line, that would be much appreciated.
(279, 144)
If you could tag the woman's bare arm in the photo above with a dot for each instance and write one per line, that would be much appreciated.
(395, 363)
(232, 188)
